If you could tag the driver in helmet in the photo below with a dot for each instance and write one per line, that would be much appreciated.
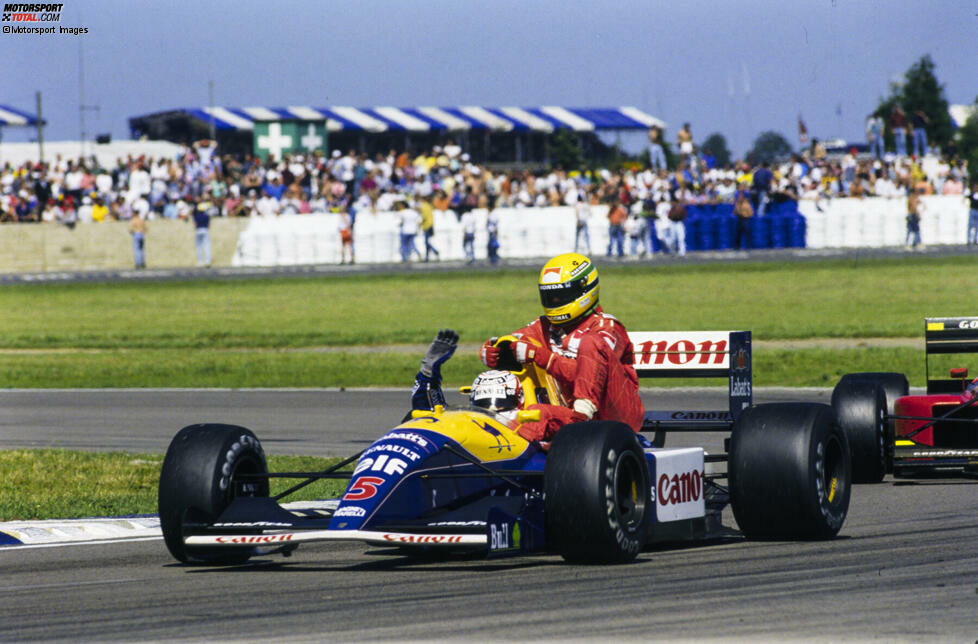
(586, 350)
(494, 390)
(499, 392)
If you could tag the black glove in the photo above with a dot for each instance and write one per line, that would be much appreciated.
(441, 349)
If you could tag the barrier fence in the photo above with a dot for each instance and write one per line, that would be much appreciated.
(529, 232)
(537, 232)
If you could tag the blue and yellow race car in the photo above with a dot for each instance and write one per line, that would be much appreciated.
(465, 479)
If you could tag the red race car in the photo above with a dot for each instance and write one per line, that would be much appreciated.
(920, 433)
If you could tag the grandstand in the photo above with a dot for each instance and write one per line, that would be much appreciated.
(488, 134)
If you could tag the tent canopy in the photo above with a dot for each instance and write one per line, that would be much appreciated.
(10, 116)
(545, 118)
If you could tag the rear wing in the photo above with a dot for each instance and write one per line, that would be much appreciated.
(697, 354)
(948, 336)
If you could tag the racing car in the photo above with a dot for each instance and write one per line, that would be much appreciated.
(464, 479)
(893, 432)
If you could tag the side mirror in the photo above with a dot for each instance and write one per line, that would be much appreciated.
(961, 372)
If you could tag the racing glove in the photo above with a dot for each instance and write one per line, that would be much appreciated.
(441, 349)
(525, 352)
(489, 353)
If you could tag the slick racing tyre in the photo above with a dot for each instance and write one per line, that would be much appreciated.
(597, 500)
(860, 406)
(200, 477)
(894, 386)
(789, 472)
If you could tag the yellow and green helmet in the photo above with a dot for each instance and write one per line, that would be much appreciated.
(568, 288)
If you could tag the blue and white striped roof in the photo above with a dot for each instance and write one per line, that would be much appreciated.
(423, 119)
(12, 116)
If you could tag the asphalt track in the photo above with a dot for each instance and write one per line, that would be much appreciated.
(905, 567)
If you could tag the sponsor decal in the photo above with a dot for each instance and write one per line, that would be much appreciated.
(383, 463)
(265, 538)
(253, 524)
(417, 439)
(740, 387)
(580, 269)
(947, 452)
(363, 488)
(458, 524)
(701, 415)
(502, 537)
(680, 485)
(968, 324)
(550, 275)
(395, 449)
(686, 487)
(423, 538)
(682, 352)
(742, 361)
(350, 511)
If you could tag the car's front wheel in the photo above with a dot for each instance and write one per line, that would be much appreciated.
(204, 469)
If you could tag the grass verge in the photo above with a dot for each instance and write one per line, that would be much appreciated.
(62, 484)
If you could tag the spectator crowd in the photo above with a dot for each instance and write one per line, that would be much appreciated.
(81, 191)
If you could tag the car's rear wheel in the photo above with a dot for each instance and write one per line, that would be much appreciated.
(789, 472)
(597, 499)
(203, 471)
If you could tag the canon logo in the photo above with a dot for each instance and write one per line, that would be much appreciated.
(273, 538)
(680, 488)
(682, 352)
(701, 415)
(422, 538)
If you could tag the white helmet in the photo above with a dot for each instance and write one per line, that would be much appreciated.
(499, 392)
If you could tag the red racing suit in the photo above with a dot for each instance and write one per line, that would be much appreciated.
(591, 361)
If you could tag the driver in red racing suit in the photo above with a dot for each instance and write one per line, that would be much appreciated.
(586, 350)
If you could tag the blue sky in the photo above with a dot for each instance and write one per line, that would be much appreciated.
(737, 68)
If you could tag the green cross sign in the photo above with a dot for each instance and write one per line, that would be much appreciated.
(288, 137)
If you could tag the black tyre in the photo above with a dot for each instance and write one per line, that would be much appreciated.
(201, 475)
(894, 386)
(789, 472)
(597, 500)
(860, 406)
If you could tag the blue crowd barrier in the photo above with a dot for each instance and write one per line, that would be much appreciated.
(714, 227)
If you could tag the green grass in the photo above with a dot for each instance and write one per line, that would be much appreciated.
(48, 483)
(265, 333)
(310, 332)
